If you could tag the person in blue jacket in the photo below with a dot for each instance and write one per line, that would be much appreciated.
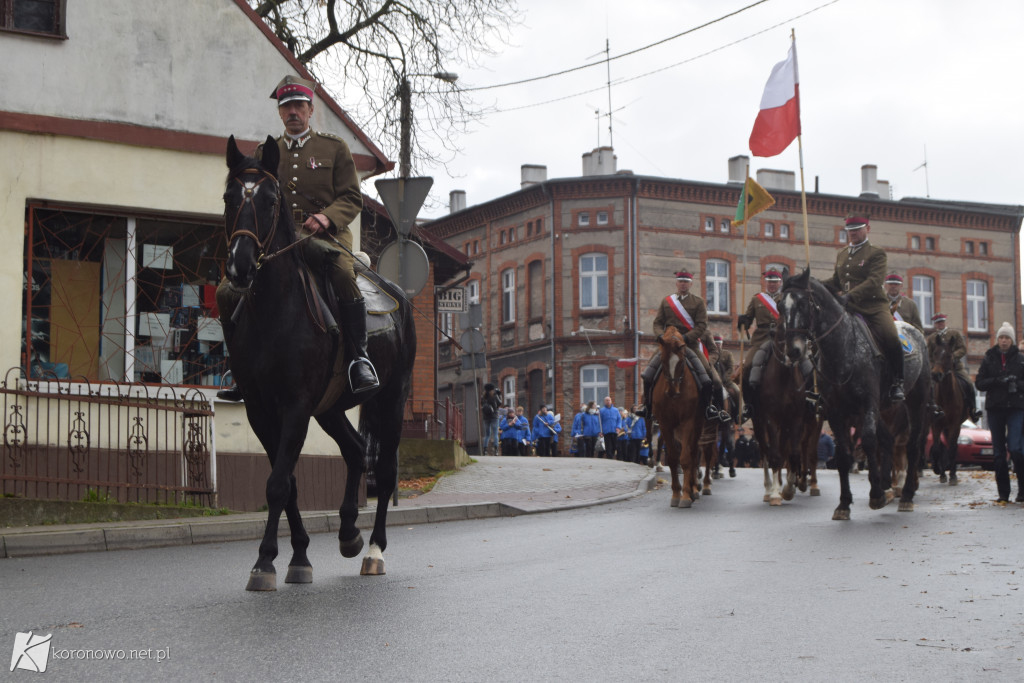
(622, 443)
(558, 430)
(637, 436)
(610, 422)
(523, 425)
(509, 433)
(591, 430)
(577, 432)
(543, 431)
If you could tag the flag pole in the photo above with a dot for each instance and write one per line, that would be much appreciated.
(803, 191)
(743, 279)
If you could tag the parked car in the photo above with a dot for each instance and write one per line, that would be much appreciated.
(975, 446)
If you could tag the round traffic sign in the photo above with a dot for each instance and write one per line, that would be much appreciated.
(405, 263)
(472, 341)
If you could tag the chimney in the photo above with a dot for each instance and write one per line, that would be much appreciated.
(738, 166)
(456, 201)
(601, 161)
(532, 174)
(771, 179)
(868, 180)
(884, 191)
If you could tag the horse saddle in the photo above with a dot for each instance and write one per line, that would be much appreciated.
(905, 341)
(322, 309)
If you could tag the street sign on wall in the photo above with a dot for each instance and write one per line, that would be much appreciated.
(451, 300)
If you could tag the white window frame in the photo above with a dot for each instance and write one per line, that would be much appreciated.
(769, 230)
(709, 224)
(783, 231)
(716, 286)
(446, 325)
(842, 237)
(602, 218)
(508, 295)
(723, 226)
(592, 281)
(977, 305)
(473, 291)
(583, 218)
(923, 287)
(915, 241)
(594, 383)
(508, 391)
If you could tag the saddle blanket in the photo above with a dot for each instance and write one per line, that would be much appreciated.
(379, 305)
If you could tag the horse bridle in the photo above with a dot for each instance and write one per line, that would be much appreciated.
(248, 192)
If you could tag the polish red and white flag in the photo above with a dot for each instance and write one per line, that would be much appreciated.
(778, 121)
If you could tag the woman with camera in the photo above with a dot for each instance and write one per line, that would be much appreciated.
(1001, 377)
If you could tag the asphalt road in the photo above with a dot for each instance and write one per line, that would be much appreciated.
(728, 590)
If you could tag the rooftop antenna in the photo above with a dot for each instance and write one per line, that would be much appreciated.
(927, 189)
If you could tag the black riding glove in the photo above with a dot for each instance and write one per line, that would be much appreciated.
(743, 322)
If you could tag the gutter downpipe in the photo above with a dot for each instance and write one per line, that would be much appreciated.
(553, 271)
(635, 307)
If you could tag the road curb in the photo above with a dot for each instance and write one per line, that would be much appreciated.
(129, 536)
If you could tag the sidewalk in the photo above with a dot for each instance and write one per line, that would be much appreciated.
(494, 486)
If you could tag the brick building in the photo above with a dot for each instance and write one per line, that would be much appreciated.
(570, 271)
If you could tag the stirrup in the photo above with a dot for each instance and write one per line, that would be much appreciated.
(711, 413)
(230, 394)
(812, 398)
(367, 384)
(896, 392)
(724, 417)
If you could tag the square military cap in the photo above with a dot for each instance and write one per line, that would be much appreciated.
(293, 88)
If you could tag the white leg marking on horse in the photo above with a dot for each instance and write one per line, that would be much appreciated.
(375, 553)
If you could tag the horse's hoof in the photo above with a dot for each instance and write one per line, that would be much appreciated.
(372, 566)
(766, 498)
(685, 503)
(717, 475)
(802, 486)
(299, 574)
(815, 491)
(906, 506)
(775, 501)
(707, 490)
(351, 547)
(890, 496)
(953, 480)
(877, 503)
(942, 479)
(788, 492)
(261, 581)
(841, 515)
(675, 502)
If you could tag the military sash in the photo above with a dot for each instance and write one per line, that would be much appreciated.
(686, 319)
(894, 309)
(770, 304)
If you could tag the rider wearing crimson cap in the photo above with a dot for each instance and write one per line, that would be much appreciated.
(859, 273)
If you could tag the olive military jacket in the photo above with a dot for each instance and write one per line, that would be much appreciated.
(860, 275)
(908, 312)
(667, 317)
(318, 175)
(762, 317)
(956, 341)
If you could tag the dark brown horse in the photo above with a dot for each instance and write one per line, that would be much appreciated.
(950, 397)
(676, 403)
(785, 426)
(283, 363)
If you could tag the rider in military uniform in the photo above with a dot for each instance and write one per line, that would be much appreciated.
(321, 187)
(859, 273)
(688, 313)
(900, 306)
(762, 311)
(958, 346)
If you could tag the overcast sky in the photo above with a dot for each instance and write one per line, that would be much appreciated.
(880, 81)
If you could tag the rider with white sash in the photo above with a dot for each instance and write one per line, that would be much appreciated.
(762, 311)
(902, 308)
(688, 313)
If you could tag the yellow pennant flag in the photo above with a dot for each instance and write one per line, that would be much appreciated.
(757, 200)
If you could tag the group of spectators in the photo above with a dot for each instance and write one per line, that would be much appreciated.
(610, 432)
(513, 430)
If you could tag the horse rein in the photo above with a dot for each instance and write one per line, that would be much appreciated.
(248, 192)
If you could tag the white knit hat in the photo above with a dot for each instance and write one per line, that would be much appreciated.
(1006, 330)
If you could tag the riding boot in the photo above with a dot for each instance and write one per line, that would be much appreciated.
(361, 374)
(707, 400)
(716, 399)
(970, 398)
(228, 301)
(896, 363)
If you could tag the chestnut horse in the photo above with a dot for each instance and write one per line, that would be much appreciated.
(676, 404)
(949, 395)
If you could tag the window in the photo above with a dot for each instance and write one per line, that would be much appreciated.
(769, 230)
(535, 277)
(508, 391)
(784, 231)
(538, 226)
(983, 248)
(508, 296)
(924, 297)
(473, 291)
(593, 383)
(594, 281)
(842, 237)
(915, 242)
(929, 243)
(969, 247)
(121, 298)
(584, 218)
(529, 228)
(476, 247)
(716, 279)
(709, 224)
(503, 237)
(724, 226)
(33, 16)
(602, 218)
(445, 323)
(977, 306)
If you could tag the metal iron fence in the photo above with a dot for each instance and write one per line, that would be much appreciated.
(68, 439)
(446, 422)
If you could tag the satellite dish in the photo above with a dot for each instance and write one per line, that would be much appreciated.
(405, 263)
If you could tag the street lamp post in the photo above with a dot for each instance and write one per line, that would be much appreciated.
(405, 117)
